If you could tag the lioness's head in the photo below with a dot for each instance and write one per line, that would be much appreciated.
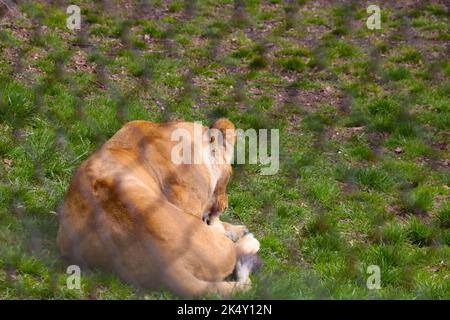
(222, 140)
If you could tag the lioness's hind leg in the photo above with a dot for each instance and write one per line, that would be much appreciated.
(187, 285)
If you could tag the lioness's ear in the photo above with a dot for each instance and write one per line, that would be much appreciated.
(227, 137)
(227, 129)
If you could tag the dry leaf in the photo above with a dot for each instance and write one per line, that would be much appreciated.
(8, 162)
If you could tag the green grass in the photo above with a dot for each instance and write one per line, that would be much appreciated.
(363, 118)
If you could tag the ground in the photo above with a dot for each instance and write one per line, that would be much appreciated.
(363, 117)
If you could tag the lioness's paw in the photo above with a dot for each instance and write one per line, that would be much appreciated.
(248, 244)
(240, 231)
(236, 232)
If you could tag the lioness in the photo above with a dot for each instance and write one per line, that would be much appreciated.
(132, 209)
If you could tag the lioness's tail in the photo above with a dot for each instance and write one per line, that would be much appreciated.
(246, 263)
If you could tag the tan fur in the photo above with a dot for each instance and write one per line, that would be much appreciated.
(131, 210)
